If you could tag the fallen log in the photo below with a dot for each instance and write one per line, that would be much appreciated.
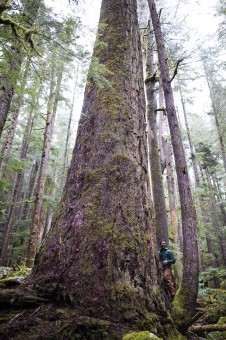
(206, 328)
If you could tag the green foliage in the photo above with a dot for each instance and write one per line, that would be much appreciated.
(20, 271)
(5, 185)
(215, 305)
(99, 73)
(222, 320)
(208, 156)
(210, 273)
(215, 336)
(15, 164)
(49, 202)
(140, 336)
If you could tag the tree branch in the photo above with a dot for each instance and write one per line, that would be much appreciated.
(176, 68)
(208, 328)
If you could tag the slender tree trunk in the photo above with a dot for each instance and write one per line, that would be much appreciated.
(176, 228)
(160, 212)
(6, 148)
(8, 80)
(17, 191)
(29, 195)
(101, 247)
(36, 231)
(65, 159)
(196, 173)
(217, 221)
(187, 294)
(161, 122)
(219, 130)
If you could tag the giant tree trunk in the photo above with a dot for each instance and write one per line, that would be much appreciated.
(184, 303)
(100, 250)
(160, 213)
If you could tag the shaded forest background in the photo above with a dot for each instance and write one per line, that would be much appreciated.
(44, 62)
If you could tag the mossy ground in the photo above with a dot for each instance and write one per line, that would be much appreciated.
(51, 322)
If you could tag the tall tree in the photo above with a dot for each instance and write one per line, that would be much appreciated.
(101, 247)
(205, 217)
(36, 229)
(17, 191)
(216, 113)
(6, 148)
(185, 299)
(13, 59)
(160, 212)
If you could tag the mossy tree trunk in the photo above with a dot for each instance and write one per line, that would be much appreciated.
(17, 192)
(215, 107)
(12, 62)
(205, 217)
(36, 231)
(184, 302)
(216, 219)
(160, 213)
(100, 250)
(7, 144)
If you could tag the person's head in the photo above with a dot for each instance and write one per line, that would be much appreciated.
(163, 244)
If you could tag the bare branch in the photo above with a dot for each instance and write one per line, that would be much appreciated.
(176, 69)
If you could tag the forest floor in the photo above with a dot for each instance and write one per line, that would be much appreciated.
(24, 315)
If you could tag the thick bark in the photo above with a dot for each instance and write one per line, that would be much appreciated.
(9, 78)
(100, 247)
(185, 299)
(160, 213)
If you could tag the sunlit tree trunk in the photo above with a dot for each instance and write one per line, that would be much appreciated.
(160, 213)
(65, 158)
(187, 294)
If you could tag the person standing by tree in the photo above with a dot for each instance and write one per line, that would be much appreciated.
(167, 259)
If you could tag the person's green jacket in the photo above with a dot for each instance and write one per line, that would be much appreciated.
(166, 254)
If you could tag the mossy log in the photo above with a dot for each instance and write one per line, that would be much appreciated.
(207, 328)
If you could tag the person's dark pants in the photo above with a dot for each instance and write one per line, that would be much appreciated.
(168, 281)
